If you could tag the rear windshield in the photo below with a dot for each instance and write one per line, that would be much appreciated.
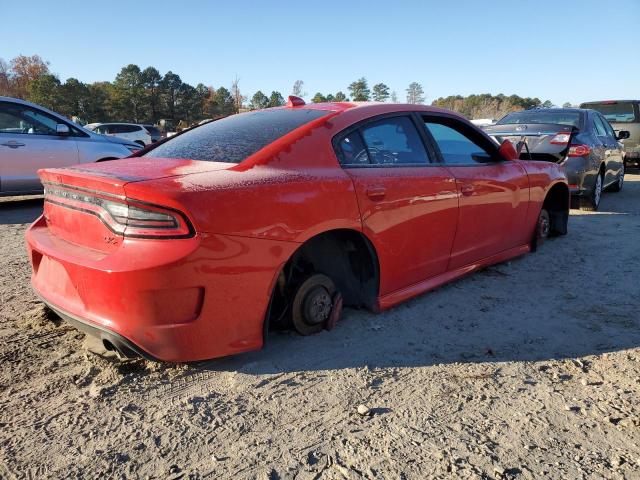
(537, 116)
(619, 112)
(234, 138)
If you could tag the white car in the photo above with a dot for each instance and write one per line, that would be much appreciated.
(33, 137)
(129, 131)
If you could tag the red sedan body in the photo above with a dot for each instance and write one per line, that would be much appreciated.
(182, 259)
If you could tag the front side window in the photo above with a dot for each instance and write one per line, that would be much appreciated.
(20, 119)
(608, 128)
(455, 147)
(234, 138)
(394, 141)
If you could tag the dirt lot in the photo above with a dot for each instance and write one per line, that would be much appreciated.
(529, 369)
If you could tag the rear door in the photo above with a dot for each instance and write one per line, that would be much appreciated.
(616, 152)
(408, 206)
(28, 142)
(493, 193)
(603, 148)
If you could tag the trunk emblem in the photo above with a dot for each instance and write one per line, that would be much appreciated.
(520, 128)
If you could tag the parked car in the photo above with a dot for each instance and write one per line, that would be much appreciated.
(580, 140)
(129, 131)
(154, 132)
(33, 137)
(623, 115)
(280, 216)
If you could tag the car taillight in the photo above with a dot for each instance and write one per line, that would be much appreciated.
(561, 139)
(579, 150)
(125, 216)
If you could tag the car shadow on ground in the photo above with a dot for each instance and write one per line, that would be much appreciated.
(18, 210)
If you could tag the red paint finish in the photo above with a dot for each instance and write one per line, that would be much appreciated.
(206, 294)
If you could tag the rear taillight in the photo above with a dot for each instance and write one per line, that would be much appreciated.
(125, 216)
(561, 139)
(579, 150)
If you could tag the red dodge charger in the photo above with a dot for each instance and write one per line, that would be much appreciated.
(195, 247)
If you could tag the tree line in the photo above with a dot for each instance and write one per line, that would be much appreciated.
(147, 96)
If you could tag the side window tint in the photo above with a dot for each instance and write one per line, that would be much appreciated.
(455, 147)
(608, 128)
(394, 141)
(20, 119)
(352, 150)
(599, 126)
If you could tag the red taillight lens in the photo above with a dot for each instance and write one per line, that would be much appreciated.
(125, 216)
(579, 150)
(561, 139)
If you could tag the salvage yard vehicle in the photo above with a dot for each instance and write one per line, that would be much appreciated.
(128, 131)
(580, 140)
(278, 217)
(33, 137)
(623, 115)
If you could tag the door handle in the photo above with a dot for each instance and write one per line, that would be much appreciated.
(376, 193)
(467, 190)
(13, 144)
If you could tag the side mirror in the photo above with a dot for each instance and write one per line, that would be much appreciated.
(62, 129)
(623, 135)
(508, 151)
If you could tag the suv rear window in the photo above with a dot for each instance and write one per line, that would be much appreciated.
(616, 112)
(234, 138)
(540, 117)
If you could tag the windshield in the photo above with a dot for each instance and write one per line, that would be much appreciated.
(152, 130)
(234, 138)
(617, 112)
(570, 118)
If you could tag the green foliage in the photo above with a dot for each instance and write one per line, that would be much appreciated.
(486, 105)
(340, 97)
(45, 90)
(259, 100)
(415, 93)
(380, 92)
(276, 99)
(360, 90)
(319, 98)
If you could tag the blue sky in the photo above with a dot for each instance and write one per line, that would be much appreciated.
(566, 50)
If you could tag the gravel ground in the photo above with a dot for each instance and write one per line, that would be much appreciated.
(529, 369)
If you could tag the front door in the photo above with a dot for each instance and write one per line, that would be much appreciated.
(493, 193)
(408, 205)
(29, 142)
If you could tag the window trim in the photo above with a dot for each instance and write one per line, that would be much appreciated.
(358, 126)
(74, 131)
(493, 149)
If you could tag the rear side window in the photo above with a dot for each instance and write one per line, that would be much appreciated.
(600, 129)
(455, 147)
(393, 141)
(353, 151)
(234, 138)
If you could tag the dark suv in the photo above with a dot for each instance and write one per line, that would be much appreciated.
(579, 139)
(623, 115)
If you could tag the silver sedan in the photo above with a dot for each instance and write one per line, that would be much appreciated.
(33, 137)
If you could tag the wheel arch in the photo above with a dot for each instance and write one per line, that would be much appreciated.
(345, 255)
(557, 202)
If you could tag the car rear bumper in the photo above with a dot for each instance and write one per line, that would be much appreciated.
(170, 300)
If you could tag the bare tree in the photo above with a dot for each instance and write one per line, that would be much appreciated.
(298, 89)
(238, 99)
(5, 79)
(394, 97)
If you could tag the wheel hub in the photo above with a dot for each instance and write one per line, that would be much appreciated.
(317, 305)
